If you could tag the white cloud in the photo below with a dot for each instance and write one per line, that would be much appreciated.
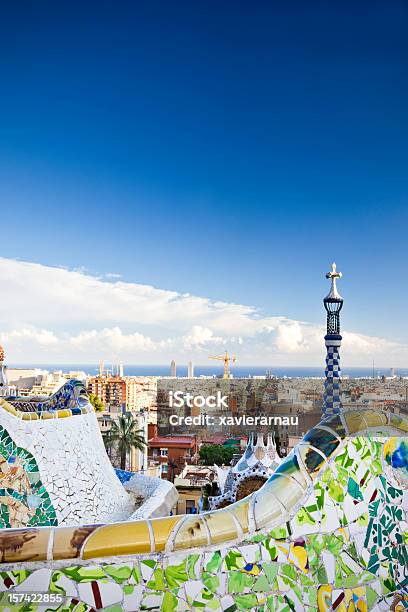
(54, 314)
(200, 336)
(369, 345)
(112, 340)
(42, 337)
(290, 338)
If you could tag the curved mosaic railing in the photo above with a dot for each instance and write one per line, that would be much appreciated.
(54, 470)
(272, 505)
(70, 400)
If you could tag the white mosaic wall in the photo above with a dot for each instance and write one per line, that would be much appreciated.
(74, 468)
(160, 496)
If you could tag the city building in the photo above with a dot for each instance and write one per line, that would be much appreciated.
(190, 370)
(141, 394)
(173, 369)
(134, 393)
(173, 453)
(49, 383)
(189, 484)
(111, 390)
(23, 379)
(35, 382)
(188, 499)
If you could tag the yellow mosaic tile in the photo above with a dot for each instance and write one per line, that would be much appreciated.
(399, 422)
(324, 597)
(192, 533)
(68, 541)
(373, 418)
(298, 556)
(240, 510)
(62, 414)
(221, 526)
(29, 416)
(22, 545)
(355, 421)
(8, 407)
(118, 539)
(162, 527)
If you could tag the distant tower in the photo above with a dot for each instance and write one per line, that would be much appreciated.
(190, 370)
(120, 370)
(333, 303)
(173, 369)
(3, 375)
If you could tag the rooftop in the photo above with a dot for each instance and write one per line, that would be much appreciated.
(170, 441)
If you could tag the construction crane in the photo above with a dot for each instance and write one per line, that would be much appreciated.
(226, 359)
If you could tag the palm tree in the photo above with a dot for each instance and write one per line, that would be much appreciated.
(124, 436)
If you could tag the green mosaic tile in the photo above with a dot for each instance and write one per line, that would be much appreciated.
(176, 574)
(120, 573)
(21, 481)
(157, 582)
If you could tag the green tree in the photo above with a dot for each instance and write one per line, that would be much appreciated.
(123, 436)
(213, 453)
(96, 402)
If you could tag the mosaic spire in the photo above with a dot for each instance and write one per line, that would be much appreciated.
(3, 375)
(333, 303)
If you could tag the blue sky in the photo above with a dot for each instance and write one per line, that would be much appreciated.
(228, 150)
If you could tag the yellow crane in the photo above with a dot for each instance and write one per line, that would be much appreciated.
(226, 359)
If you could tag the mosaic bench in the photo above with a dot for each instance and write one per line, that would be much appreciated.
(327, 531)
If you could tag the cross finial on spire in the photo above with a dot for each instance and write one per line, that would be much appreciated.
(333, 275)
(333, 272)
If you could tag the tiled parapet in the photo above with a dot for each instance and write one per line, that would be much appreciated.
(276, 503)
(327, 531)
(70, 400)
(71, 465)
(343, 549)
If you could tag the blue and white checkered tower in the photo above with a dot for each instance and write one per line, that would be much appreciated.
(333, 303)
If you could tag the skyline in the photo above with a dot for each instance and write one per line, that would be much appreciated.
(227, 155)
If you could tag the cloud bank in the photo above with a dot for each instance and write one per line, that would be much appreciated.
(55, 315)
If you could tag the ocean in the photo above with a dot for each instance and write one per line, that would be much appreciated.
(209, 370)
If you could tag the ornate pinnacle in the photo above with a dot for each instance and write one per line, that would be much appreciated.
(333, 275)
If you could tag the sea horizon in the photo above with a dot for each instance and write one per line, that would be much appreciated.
(209, 370)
